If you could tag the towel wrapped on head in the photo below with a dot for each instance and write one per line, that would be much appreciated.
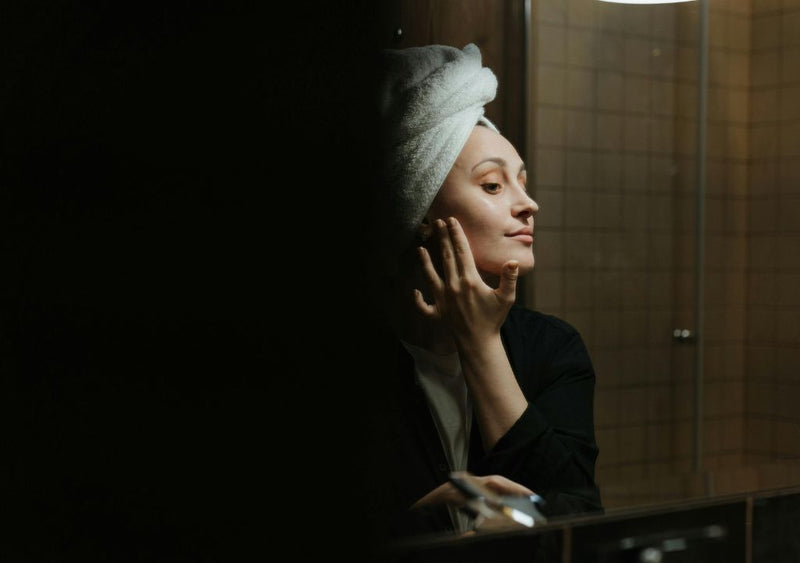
(430, 99)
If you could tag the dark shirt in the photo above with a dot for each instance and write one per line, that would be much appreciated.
(551, 448)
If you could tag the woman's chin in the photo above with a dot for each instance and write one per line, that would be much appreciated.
(525, 265)
(492, 275)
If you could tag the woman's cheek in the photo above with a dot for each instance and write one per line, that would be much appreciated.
(486, 260)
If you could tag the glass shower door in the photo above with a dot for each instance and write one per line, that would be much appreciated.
(614, 145)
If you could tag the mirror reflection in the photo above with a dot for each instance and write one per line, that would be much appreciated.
(662, 143)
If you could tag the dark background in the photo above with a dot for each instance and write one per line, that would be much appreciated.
(181, 196)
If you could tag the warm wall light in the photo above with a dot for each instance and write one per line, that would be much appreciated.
(646, 1)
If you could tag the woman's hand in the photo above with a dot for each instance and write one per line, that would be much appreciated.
(474, 313)
(447, 493)
(471, 308)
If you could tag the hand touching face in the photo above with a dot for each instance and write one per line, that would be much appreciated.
(485, 190)
(474, 310)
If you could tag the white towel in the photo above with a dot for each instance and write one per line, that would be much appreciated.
(430, 100)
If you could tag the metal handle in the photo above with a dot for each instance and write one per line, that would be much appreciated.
(683, 335)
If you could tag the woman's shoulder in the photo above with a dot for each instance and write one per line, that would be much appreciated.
(523, 318)
(533, 336)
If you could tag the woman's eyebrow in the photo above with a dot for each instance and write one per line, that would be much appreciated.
(495, 159)
(499, 161)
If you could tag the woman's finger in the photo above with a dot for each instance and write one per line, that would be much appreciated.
(465, 262)
(425, 308)
(434, 283)
(445, 493)
(449, 268)
(504, 485)
(507, 290)
(429, 271)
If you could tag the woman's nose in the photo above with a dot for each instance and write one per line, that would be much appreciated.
(525, 206)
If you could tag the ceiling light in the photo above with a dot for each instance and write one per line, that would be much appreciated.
(646, 1)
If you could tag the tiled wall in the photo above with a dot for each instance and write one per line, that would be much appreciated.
(773, 272)
(614, 145)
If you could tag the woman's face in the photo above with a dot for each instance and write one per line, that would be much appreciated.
(485, 191)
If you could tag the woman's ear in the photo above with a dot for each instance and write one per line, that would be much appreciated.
(424, 231)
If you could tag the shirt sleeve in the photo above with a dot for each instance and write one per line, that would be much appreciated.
(551, 448)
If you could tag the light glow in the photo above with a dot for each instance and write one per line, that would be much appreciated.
(645, 1)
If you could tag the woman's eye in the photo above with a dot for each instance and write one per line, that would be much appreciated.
(491, 188)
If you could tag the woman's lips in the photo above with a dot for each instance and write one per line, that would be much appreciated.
(522, 237)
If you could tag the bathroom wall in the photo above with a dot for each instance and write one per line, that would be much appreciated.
(614, 151)
(773, 245)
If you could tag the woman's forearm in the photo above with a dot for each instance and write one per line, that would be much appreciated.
(495, 393)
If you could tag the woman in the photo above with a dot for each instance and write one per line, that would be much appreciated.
(477, 382)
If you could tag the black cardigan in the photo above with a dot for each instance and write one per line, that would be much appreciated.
(551, 449)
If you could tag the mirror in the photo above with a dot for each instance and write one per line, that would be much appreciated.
(663, 149)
